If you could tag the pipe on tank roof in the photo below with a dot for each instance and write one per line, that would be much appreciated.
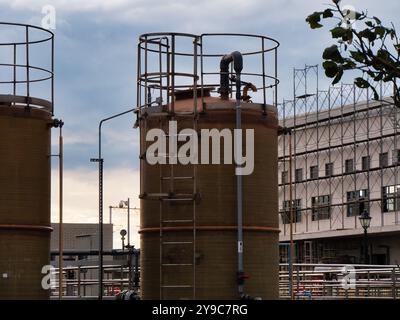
(237, 59)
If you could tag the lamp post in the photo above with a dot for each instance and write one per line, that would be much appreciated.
(126, 204)
(100, 161)
(123, 234)
(365, 221)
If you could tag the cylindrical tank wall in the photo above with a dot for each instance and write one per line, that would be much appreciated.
(216, 220)
(24, 202)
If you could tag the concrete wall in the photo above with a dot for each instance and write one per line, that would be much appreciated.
(81, 236)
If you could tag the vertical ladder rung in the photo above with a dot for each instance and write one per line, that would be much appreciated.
(177, 221)
(177, 242)
(177, 286)
(177, 199)
(177, 178)
(176, 264)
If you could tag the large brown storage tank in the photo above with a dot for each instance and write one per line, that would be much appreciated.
(26, 111)
(191, 243)
(216, 220)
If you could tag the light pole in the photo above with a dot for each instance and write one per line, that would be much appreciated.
(365, 221)
(100, 161)
(126, 204)
(123, 234)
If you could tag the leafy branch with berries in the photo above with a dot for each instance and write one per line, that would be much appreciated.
(373, 49)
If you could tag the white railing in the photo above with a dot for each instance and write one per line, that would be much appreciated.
(339, 281)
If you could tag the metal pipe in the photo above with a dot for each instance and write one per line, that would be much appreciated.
(365, 246)
(211, 228)
(100, 161)
(93, 252)
(239, 194)
(291, 213)
(129, 222)
(27, 65)
(61, 230)
(237, 59)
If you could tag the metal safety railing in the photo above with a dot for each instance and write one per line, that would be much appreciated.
(27, 76)
(339, 281)
(81, 282)
(310, 281)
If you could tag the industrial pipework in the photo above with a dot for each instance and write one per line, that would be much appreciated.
(237, 59)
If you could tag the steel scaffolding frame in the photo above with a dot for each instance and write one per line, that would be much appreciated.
(333, 126)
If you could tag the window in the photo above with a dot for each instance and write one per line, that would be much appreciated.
(357, 201)
(390, 198)
(383, 159)
(366, 163)
(349, 166)
(284, 177)
(314, 172)
(298, 175)
(285, 213)
(329, 169)
(396, 157)
(321, 207)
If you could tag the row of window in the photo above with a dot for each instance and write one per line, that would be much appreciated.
(357, 202)
(349, 167)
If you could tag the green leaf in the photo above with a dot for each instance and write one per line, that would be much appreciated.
(377, 20)
(369, 24)
(314, 19)
(349, 65)
(338, 32)
(361, 83)
(376, 95)
(357, 56)
(379, 77)
(338, 76)
(380, 31)
(368, 34)
(327, 13)
(331, 68)
(332, 53)
(384, 55)
(358, 15)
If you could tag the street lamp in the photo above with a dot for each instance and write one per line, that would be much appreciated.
(123, 234)
(100, 161)
(365, 221)
(126, 204)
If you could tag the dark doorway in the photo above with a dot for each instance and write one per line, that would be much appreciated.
(379, 258)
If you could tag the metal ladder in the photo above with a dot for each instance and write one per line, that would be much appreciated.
(169, 197)
(188, 245)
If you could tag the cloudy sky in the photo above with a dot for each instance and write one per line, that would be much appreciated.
(95, 73)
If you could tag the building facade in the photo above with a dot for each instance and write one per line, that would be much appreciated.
(81, 236)
(344, 159)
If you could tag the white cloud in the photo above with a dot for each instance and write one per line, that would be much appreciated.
(188, 14)
(193, 15)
